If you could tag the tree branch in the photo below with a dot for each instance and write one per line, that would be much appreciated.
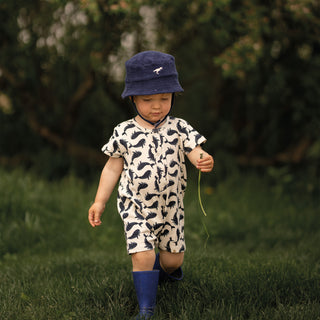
(10, 77)
(124, 105)
(71, 147)
(75, 101)
(292, 155)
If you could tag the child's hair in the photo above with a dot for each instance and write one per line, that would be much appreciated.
(151, 72)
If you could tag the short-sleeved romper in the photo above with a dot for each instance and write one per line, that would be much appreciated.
(153, 182)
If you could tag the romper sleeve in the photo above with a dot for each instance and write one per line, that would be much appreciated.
(114, 148)
(191, 138)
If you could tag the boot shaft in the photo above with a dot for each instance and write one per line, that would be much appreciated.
(146, 286)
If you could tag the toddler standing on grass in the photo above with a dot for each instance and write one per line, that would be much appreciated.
(147, 154)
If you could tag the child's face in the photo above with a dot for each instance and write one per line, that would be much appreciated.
(153, 107)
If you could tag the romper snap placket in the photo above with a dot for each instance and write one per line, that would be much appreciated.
(161, 168)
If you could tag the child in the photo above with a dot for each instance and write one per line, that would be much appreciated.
(147, 153)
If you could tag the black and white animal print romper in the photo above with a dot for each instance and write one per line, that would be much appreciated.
(153, 182)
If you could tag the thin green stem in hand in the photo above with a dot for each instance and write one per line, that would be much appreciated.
(199, 191)
(201, 206)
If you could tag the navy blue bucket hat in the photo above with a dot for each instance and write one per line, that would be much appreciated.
(151, 72)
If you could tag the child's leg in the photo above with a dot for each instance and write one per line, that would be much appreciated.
(169, 265)
(143, 261)
(170, 262)
(145, 282)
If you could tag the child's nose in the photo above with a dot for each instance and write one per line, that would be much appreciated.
(157, 105)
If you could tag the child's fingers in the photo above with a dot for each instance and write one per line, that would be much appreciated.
(94, 218)
(206, 164)
(206, 161)
(91, 219)
(94, 222)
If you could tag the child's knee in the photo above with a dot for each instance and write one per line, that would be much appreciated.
(171, 261)
(143, 261)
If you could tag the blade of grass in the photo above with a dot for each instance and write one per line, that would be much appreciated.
(199, 194)
(201, 206)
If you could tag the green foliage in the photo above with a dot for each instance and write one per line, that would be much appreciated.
(255, 213)
(266, 97)
(36, 215)
(56, 72)
(249, 70)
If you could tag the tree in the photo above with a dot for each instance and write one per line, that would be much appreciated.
(57, 70)
(249, 70)
(252, 68)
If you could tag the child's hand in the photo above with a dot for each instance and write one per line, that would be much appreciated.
(205, 164)
(95, 213)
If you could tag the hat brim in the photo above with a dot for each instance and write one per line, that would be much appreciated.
(159, 85)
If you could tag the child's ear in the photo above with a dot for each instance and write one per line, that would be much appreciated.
(132, 98)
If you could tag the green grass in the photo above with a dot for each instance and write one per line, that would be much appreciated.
(262, 260)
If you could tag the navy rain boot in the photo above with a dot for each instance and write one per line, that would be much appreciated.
(146, 285)
(177, 275)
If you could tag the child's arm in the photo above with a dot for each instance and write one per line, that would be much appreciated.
(205, 164)
(109, 177)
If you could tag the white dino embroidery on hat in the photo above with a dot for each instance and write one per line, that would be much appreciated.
(157, 70)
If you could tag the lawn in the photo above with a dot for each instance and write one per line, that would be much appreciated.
(261, 261)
